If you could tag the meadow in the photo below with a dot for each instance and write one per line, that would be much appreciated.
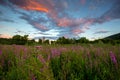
(60, 62)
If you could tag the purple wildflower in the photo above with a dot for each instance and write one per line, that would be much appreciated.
(38, 47)
(0, 52)
(48, 57)
(25, 50)
(41, 59)
(88, 54)
(33, 77)
(55, 52)
(63, 49)
(113, 58)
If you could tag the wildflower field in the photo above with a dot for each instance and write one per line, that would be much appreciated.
(60, 62)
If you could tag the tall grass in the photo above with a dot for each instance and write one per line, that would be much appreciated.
(60, 62)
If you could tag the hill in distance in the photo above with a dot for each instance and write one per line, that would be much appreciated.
(114, 37)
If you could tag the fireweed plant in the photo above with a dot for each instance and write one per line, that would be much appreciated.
(60, 62)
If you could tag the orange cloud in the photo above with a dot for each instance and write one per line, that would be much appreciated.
(33, 5)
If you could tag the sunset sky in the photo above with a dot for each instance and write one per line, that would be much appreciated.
(92, 19)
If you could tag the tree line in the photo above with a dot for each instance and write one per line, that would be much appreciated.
(23, 40)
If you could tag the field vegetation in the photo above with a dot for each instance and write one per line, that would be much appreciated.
(60, 62)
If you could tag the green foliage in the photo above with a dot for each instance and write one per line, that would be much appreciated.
(60, 62)
(72, 66)
(5, 41)
(23, 40)
(40, 41)
(63, 40)
(83, 40)
(31, 42)
(46, 42)
(20, 40)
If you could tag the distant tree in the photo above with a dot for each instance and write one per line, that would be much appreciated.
(73, 41)
(40, 41)
(16, 37)
(25, 38)
(60, 40)
(20, 40)
(5, 41)
(82, 40)
(63, 40)
(31, 42)
(53, 42)
(46, 42)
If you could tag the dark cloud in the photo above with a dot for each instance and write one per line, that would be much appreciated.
(111, 14)
(1, 13)
(19, 31)
(101, 32)
(6, 20)
(37, 22)
(19, 2)
(114, 12)
(42, 33)
(2, 1)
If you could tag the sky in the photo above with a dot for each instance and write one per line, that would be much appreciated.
(52, 19)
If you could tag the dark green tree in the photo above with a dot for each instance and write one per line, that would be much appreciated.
(63, 40)
(40, 41)
(82, 40)
(20, 40)
(46, 42)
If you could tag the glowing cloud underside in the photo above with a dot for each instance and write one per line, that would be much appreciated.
(33, 5)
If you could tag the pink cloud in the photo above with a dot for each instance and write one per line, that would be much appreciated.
(87, 24)
(77, 26)
(67, 22)
(39, 26)
(77, 31)
(64, 22)
(83, 1)
(5, 36)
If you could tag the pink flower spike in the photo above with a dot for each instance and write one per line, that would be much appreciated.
(0, 52)
(113, 57)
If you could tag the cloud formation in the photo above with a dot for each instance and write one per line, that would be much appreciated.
(30, 5)
(83, 1)
(1, 13)
(111, 14)
(2, 1)
(6, 20)
(101, 32)
(45, 15)
(39, 26)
